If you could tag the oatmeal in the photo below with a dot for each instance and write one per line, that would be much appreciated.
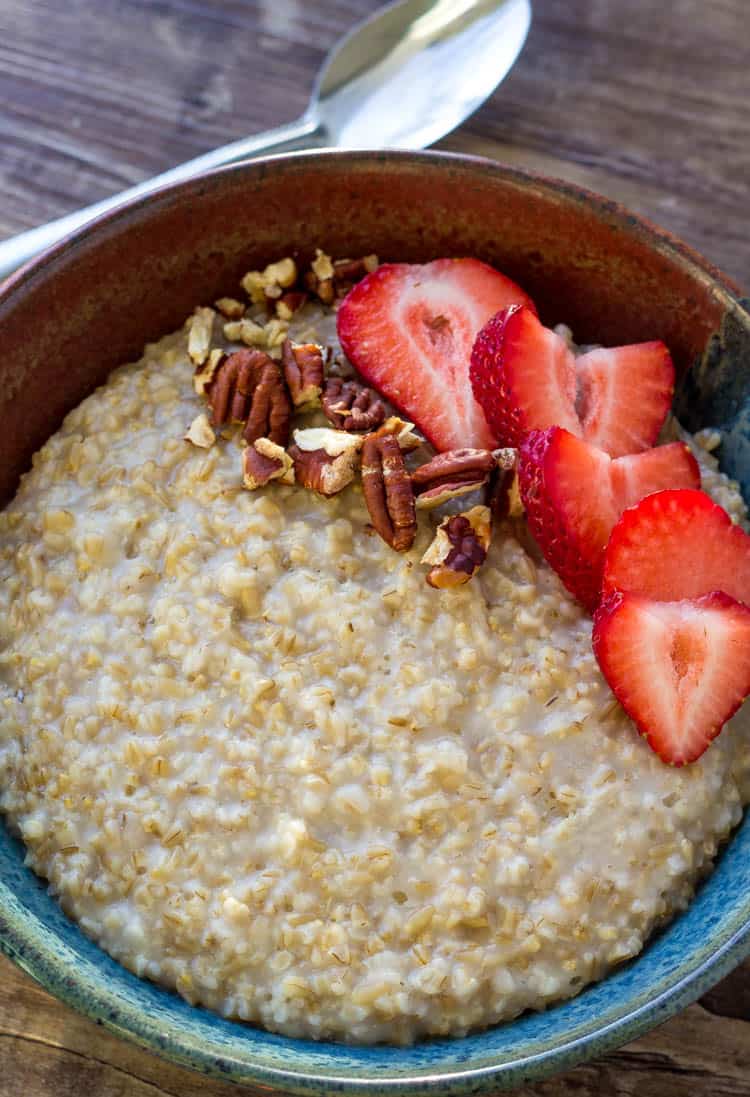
(261, 761)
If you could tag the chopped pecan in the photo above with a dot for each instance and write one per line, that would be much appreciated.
(319, 279)
(459, 548)
(245, 331)
(205, 373)
(353, 270)
(201, 332)
(403, 432)
(304, 366)
(263, 461)
(230, 308)
(325, 460)
(450, 474)
(506, 459)
(267, 286)
(200, 433)
(250, 389)
(502, 494)
(289, 303)
(350, 405)
(388, 492)
(329, 279)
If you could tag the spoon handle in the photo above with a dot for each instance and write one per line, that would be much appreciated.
(306, 132)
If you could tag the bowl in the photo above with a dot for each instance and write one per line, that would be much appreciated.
(95, 299)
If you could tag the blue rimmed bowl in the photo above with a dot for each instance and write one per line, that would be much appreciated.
(93, 301)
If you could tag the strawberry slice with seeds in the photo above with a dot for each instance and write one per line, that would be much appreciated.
(526, 377)
(624, 394)
(409, 329)
(680, 669)
(677, 544)
(574, 494)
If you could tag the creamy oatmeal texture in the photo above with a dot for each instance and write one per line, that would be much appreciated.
(261, 761)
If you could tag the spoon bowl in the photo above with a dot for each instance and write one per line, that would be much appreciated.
(403, 78)
(414, 71)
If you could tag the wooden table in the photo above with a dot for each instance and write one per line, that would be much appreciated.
(645, 101)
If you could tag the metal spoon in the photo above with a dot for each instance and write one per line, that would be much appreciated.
(401, 79)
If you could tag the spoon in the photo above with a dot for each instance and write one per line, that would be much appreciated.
(403, 78)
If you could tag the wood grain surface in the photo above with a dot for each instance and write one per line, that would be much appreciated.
(648, 102)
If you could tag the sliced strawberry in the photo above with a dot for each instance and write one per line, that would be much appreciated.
(409, 330)
(574, 494)
(624, 395)
(679, 669)
(678, 544)
(527, 378)
(524, 376)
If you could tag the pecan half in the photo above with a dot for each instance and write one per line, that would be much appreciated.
(325, 460)
(264, 461)
(459, 548)
(350, 405)
(388, 492)
(250, 389)
(271, 408)
(303, 365)
(450, 474)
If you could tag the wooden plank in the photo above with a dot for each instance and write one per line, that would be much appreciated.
(47, 1050)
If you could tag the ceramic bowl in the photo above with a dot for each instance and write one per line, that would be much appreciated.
(93, 301)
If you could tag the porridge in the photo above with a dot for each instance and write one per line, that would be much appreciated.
(261, 761)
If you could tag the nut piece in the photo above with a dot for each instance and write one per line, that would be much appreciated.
(268, 285)
(245, 331)
(459, 548)
(325, 460)
(350, 405)
(230, 307)
(319, 279)
(204, 374)
(200, 433)
(353, 270)
(289, 303)
(403, 432)
(201, 333)
(450, 474)
(388, 492)
(263, 461)
(503, 497)
(329, 279)
(303, 365)
(249, 389)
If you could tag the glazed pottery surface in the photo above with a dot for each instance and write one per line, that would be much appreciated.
(93, 301)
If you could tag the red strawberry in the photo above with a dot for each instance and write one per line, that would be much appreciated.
(524, 376)
(624, 395)
(679, 669)
(409, 330)
(574, 493)
(527, 378)
(678, 544)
